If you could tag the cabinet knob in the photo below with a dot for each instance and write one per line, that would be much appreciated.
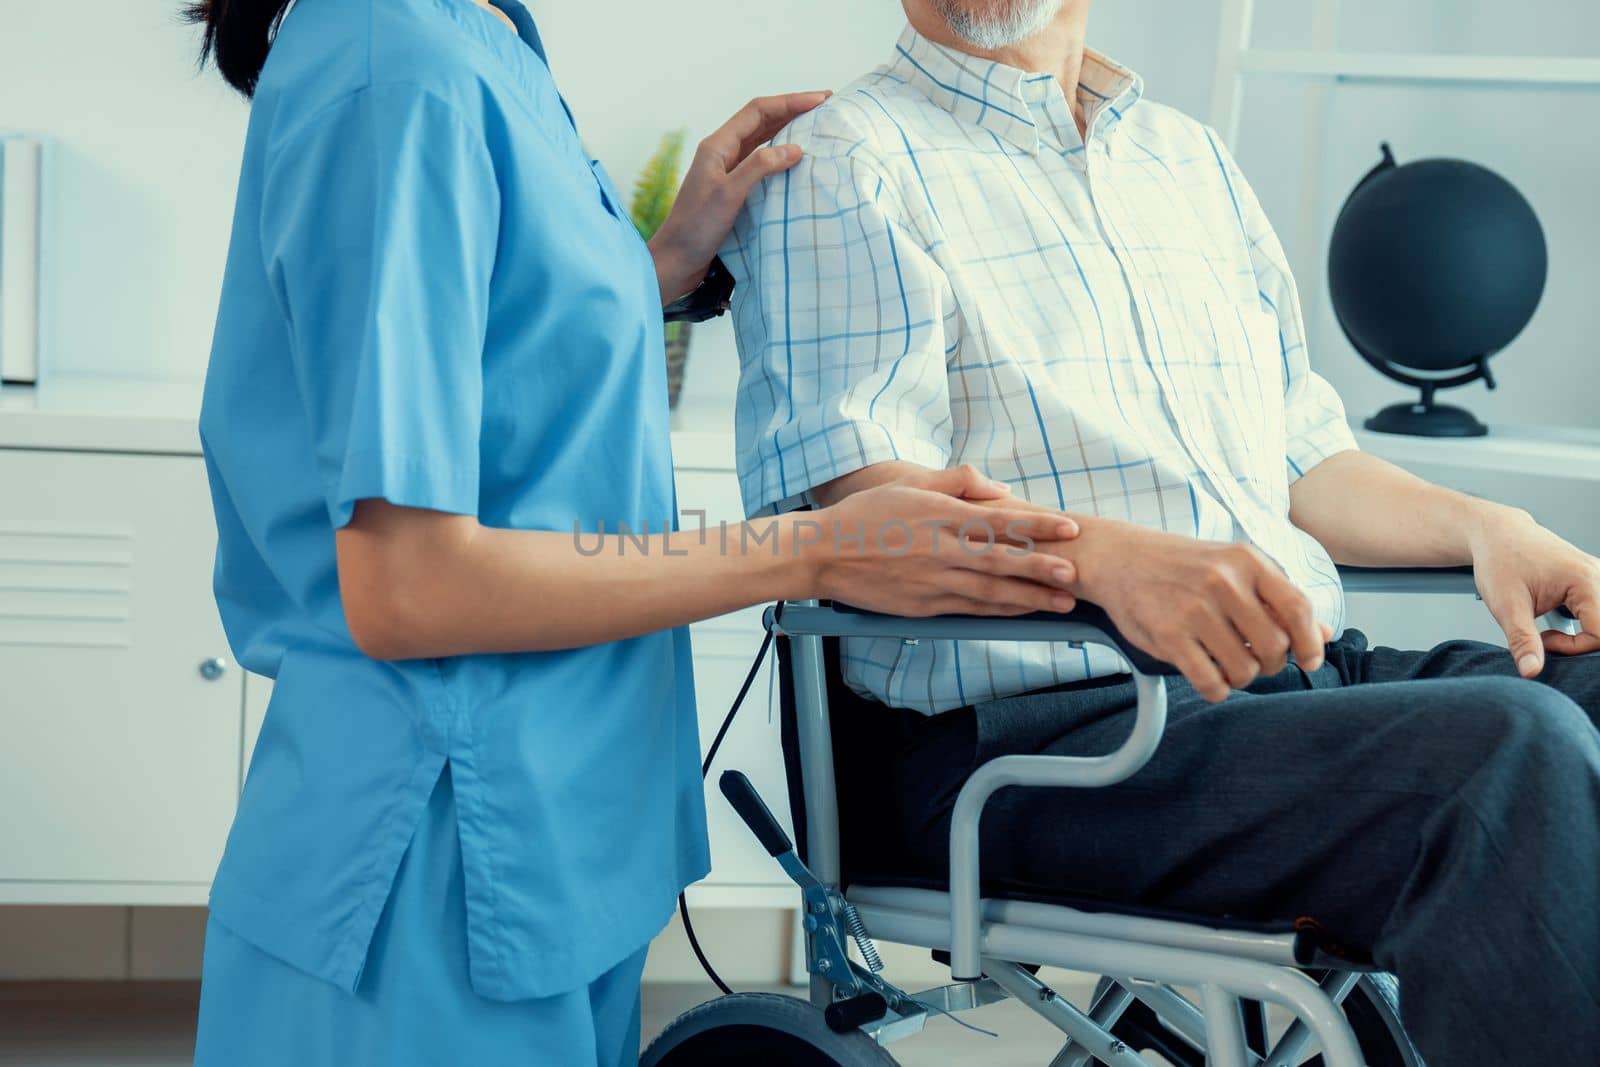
(213, 668)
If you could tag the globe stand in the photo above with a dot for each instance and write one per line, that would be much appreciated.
(1424, 418)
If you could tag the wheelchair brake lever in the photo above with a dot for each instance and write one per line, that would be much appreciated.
(759, 818)
(830, 921)
(825, 922)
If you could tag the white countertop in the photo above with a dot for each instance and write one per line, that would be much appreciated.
(102, 415)
(162, 417)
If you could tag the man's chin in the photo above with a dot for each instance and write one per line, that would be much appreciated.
(993, 24)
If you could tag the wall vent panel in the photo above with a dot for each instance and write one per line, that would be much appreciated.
(65, 585)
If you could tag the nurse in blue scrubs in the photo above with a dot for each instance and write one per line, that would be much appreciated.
(435, 398)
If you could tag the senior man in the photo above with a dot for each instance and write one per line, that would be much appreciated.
(997, 252)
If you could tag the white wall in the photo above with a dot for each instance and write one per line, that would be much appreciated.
(141, 190)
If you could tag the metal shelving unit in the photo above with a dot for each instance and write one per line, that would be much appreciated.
(1237, 58)
(1324, 64)
(1423, 67)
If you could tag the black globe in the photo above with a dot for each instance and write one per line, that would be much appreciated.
(1435, 266)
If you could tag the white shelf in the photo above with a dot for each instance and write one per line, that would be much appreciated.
(1566, 452)
(1579, 71)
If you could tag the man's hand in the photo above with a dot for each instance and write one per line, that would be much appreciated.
(1223, 614)
(1523, 572)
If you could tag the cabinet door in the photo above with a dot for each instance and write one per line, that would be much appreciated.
(120, 754)
(754, 746)
(723, 650)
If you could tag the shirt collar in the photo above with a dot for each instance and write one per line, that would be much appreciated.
(1015, 105)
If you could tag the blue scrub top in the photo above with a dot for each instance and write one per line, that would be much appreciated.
(434, 297)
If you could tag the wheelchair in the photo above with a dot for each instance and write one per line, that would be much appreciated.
(1193, 990)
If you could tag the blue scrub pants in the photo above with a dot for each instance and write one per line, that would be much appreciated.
(414, 1006)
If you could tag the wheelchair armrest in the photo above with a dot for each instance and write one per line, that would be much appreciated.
(1088, 624)
(1440, 580)
(1436, 580)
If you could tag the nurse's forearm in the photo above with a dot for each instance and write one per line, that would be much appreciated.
(421, 584)
(446, 586)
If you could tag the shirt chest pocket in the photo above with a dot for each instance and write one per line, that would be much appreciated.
(593, 174)
(556, 121)
(608, 192)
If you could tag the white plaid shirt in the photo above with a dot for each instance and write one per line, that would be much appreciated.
(952, 275)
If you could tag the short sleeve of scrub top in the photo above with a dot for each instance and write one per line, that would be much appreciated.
(434, 297)
(380, 221)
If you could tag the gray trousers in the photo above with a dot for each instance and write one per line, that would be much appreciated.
(1430, 810)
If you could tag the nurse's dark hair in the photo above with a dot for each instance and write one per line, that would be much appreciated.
(238, 36)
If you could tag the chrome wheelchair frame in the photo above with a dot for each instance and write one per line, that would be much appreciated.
(996, 946)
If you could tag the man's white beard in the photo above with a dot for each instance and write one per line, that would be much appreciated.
(1010, 21)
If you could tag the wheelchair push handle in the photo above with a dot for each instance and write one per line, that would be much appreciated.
(755, 813)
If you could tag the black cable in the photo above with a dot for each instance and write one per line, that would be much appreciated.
(705, 772)
(738, 702)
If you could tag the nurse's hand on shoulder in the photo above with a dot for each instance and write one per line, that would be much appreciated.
(726, 166)
(943, 543)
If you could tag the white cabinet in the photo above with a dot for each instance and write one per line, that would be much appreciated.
(119, 702)
(257, 695)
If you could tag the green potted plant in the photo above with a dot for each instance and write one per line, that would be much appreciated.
(653, 197)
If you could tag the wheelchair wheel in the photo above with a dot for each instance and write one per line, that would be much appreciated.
(760, 1028)
(1373, 1009)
